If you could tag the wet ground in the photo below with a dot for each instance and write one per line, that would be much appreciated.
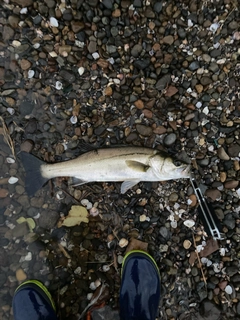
(81, 74)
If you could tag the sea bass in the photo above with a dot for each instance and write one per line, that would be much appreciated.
(130, 165)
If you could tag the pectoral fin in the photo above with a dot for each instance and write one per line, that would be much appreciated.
(126, 185)
(137, 166)
(76, 182)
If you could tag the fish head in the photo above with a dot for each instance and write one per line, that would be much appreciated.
(168, 168)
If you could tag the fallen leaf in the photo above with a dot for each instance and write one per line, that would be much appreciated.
(171, 90)
(31, 223)
(211, 246)
(76, 215)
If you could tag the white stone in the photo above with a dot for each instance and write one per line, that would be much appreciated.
(12, 180)
(81, 71)
(23, 10)
(11, 111)
(198, 104)
(189, 223)
(53, 22)
(30, 74)
(214, 27)
(95, 55)
(228, 289)
(58, 85)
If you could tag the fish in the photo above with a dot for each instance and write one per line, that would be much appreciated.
(128, 165)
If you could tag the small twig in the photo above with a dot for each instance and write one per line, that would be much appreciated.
(7, 137)
(199, 261)
(62, 249)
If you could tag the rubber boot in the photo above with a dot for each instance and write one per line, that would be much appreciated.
(32, 301)
(140, 287)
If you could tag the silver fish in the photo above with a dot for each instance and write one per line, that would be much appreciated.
(129, 165)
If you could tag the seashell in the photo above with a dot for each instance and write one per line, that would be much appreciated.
(23, 10)
(123, 243)
(92, 286)
(36, 45)
(94, 212)
(10, 160)
(89, 296)
(228, 289)
(214, 27)
(74, 119)
(81, 71)
(30, 74)
(58, 85)
(12, 180)
(105, 268)
(11, 111)
(189, 223)
(53, 22)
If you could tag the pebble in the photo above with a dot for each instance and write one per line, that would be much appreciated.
(144, 130)
(234, 150)
(168, 40)
(136, 50)
(139, 104)
(222, 154)
(213, 194)
(232, 184)
(170, 139)
(187, 244)
(25, 64)
(205, 81)
(21, 275)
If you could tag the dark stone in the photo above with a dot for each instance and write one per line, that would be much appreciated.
(26, 107)
(209, 310)
(141, 64)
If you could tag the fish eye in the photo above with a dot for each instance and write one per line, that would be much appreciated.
(177, 163)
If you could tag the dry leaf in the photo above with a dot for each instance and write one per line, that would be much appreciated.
(76, 215)
(211, 246)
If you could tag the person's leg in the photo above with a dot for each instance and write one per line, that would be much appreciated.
(140, 287)
(32, 301)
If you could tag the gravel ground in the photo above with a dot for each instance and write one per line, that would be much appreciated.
(162, 74)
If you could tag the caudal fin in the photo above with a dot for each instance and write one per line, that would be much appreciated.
(34, 179)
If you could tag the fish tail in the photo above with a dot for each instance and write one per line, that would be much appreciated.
(34, 179)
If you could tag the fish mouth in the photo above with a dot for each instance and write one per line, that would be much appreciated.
(186, 171)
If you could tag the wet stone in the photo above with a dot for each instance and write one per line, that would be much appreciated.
(215, 53)
(213, 67)
(158, 6)
(229, 221)
(20, 230)
(234, 150)
(67, 75)
(170, 139)
(164, 232)
(205, 81)
(48, 219)
(194, 66)
(144, 130)
(136, 50)
(26, 107)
